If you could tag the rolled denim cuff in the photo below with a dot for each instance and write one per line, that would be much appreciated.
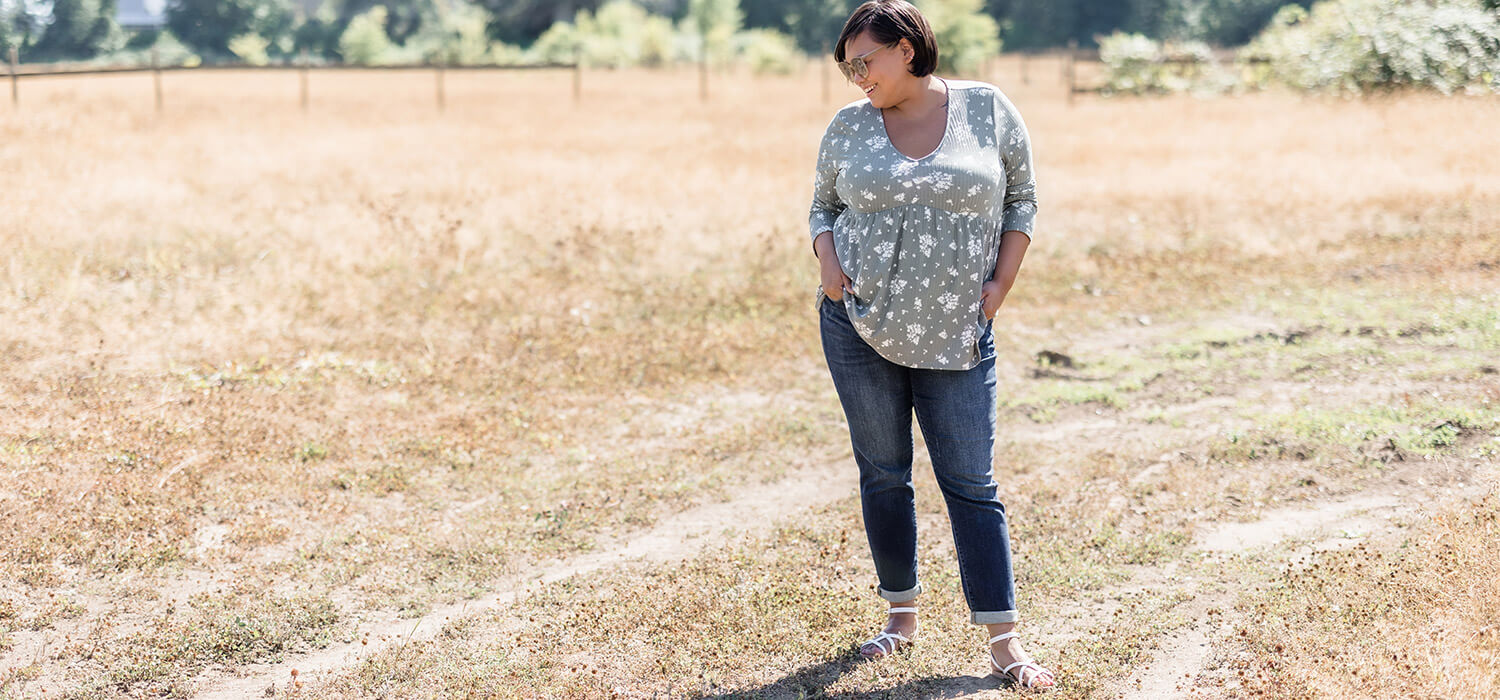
(905, 596)
(994, 617)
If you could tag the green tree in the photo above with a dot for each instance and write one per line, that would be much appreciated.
(455, 33)
(78, 29)
(966, 36)
(715, 22)
(207, 26)
(814, 24)
(523, 21)
(403, 18)
(620, 34)
(19, 27)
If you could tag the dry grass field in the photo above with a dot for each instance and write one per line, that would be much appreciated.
(525, 398)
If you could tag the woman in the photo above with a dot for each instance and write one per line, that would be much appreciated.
(922, 209)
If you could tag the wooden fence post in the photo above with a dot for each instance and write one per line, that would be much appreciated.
(1072, 68)
(441, 98)
(827, 79)
(156, 78)
(703, 70)
(1025, 67)
(15, 83)
(578, 75)
(302, 78)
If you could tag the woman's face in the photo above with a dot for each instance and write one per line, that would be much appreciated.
(889, 80)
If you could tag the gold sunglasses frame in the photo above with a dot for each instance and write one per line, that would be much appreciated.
(857, 66)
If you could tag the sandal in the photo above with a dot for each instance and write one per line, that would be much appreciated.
(1019, 677)
(895, 639)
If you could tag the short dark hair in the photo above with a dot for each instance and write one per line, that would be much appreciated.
(890, 21)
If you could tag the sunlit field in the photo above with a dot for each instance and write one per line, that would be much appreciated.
(524, 397)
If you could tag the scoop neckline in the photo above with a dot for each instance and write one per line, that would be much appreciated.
(947, 127)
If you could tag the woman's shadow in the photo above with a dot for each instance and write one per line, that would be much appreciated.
(812, 682)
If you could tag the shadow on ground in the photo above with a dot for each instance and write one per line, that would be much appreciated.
(811, 682)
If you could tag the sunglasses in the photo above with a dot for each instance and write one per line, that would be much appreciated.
(856, 68)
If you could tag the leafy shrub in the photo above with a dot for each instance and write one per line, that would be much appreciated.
(169, 52)
(769, 51)
(714, 23)
(1137, 64)
(250, 48)
(622, 34)
(364, 41)
(1360, 45)
(454, 36)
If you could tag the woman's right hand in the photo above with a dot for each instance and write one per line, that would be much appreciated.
(835, 282)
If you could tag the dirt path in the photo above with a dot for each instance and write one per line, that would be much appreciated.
(826, 478)
(1180, 659)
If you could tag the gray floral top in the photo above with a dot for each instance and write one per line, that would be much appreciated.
(919, 237)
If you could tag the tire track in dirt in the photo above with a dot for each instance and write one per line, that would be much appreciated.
(683, 534)
(1332, 523)
(674, 537)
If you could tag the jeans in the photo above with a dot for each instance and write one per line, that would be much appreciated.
(956, 412)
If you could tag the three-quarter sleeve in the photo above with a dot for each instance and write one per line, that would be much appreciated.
(826, 204)
(1020, 178)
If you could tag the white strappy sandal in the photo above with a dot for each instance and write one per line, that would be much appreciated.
(896, 640)
(1019, 678)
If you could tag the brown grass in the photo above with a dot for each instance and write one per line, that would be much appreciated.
(386, 357)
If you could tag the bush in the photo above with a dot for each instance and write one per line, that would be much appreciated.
(1137, 64)
(364, 41)
(1361, 45)
(623, 34)
(455, 36)
(769, 51)
(250, 48)
(620, 34)
(169, 52)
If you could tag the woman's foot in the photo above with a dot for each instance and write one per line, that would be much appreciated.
(899, 631)
(1011, 662)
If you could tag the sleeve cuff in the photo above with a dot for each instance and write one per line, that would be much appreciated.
(1019, 217)
(819, 222)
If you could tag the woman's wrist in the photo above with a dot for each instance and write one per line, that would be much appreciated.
(823, 247)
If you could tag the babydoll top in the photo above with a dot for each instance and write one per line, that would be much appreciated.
(919, 237)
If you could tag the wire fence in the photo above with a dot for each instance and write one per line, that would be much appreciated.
(1080, 72)
(303, 67)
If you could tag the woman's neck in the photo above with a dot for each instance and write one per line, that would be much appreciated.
(929, 93)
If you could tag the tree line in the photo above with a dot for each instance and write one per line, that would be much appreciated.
(49, 30)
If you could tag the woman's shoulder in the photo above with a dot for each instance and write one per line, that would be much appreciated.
(852, 115)
(987, 93)
(981, 90)
(973, 86)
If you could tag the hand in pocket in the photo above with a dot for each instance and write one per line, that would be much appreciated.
(991, 297)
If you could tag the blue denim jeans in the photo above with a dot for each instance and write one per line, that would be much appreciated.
(956, 412)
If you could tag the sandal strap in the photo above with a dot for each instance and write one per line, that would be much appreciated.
(902, 610)
(1036, 672)
(1007, 635)
(879, 640)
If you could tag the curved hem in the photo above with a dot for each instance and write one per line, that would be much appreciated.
(964, 368)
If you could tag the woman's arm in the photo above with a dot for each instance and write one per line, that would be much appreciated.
(826, 207)
(1019, 217)
(826, 204)
(1008, 264)
(835, 282)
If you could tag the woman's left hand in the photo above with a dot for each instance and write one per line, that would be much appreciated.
(992, 295)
